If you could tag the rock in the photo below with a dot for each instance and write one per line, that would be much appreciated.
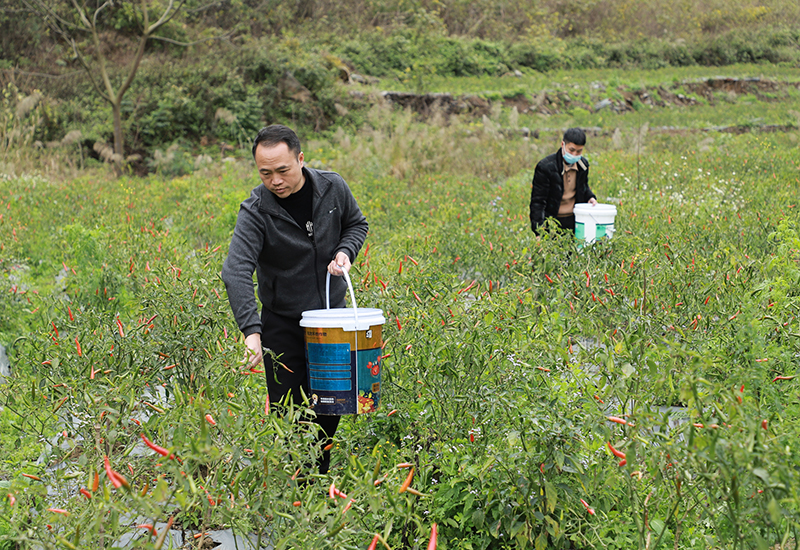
(602, 105)
(341, 110)
(5, 364)
(290, 87)
(226, 540)
(517, 73)
(355, 77)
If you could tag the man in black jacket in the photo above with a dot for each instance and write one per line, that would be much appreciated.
(298, 224)
(560, 181)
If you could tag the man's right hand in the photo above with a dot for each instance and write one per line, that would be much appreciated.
(254, 354)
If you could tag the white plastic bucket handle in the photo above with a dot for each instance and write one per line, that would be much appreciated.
(349, 287)
(352, 297)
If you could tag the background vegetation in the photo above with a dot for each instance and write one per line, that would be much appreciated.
(219, 70)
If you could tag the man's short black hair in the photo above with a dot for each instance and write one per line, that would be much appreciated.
(277, 133)
(576, 136)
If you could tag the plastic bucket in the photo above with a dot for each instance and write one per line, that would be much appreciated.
(593, 223)
(343, 356)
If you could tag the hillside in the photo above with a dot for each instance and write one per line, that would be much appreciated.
(215, 72)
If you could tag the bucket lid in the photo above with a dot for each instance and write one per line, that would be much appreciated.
(343, 318)
(601, 209)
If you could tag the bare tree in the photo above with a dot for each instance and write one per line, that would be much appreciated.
(76, 20)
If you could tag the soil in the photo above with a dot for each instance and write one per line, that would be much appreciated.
(622, 100)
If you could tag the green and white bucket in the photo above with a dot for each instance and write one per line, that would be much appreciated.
(594, 222)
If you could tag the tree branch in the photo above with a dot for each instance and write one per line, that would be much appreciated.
(185, 44)
(42, 75)
(137, 59)
(88, 70)
(82, 14)
(58, 23)
(165, 17)
(97, 12)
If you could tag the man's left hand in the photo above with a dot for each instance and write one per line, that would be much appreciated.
(593, 201)
(339, 265)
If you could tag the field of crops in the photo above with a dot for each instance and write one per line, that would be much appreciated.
(519, 370)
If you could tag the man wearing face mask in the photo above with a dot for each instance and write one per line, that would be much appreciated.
(561, 181)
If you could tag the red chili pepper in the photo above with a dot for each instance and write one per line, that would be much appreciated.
(615, 452)
(95, 482)
(374, 544)
(782, 378)
(58, 405)
(347, 506)
(266, 405)
(390, 413)
(407, 483)
(78, 346)
(764, 424)
(404, 465)
(71, 318)
(33, 477)
(12, 500)
(434, 536)
(210, 420)
(117, 479)
(471, 437)
(119, 327)
(86, 493)
(160, 450)
(622, 462)
(706, 300)
(588, 509)
(399, 327)
(159, 542)
(58, 511)
(147, 526)
(297, 503)
(549, 280)
(416, 296)
(54, 328)
(400, 270)
(617, 420)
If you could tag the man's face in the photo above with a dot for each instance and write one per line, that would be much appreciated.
(572, 149)
(279, 169)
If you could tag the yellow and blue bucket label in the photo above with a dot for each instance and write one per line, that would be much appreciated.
(344, 369)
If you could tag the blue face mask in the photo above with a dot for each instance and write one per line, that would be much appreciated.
(570, 159)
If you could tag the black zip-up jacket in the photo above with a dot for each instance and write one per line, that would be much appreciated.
(291, 267)
(548, 187)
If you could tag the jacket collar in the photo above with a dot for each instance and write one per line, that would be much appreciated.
(560, 162)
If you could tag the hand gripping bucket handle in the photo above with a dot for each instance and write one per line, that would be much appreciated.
(349, 287)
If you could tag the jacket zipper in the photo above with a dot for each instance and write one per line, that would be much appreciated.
(314, 245)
